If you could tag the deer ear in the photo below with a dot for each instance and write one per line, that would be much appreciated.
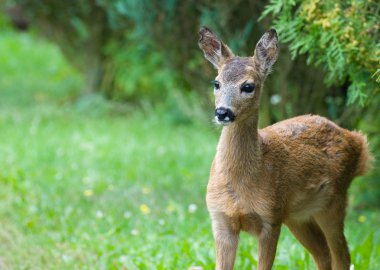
(266, 51)
(213, 48)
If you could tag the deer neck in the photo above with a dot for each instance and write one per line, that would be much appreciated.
(239, 148)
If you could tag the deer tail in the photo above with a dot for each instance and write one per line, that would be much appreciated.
(365, 160)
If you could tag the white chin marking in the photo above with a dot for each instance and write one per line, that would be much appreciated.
(222, 123)
(226, 121)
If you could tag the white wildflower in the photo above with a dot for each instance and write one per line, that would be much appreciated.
(192, 208)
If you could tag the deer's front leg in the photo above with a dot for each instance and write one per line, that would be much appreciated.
(268, 239)
(226, 234)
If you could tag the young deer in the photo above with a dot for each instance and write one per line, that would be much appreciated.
(295, 172)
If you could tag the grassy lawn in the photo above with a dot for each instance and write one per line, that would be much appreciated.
(83, 186)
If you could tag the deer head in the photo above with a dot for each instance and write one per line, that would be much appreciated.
(237, 87)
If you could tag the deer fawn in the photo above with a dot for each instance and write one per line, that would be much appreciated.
(295, 172)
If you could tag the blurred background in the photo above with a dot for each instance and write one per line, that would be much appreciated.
(106, 133)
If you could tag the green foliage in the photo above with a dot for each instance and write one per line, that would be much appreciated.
(137, 73)
(112, 32)
(139, 50)
(124, 43)
(343, 37)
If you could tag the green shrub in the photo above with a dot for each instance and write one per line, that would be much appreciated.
(342, 36)
(136, 72)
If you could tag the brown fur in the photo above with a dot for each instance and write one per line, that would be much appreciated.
(295, 172)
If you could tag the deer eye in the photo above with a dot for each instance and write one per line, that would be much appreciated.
(247, 87)
(216, 84)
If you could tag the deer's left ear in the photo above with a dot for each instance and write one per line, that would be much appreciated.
(266, 51)
(213, 48)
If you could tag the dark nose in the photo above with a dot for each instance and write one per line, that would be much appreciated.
(224, 114)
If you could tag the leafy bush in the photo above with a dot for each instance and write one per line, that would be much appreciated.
(343, 36)
(142, 50)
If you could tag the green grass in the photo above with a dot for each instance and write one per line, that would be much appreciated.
(83, 187)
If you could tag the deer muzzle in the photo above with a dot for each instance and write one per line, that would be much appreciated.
(224, 115)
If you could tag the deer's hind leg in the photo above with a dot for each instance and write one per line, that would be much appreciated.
(312, 238)
(331, 221)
